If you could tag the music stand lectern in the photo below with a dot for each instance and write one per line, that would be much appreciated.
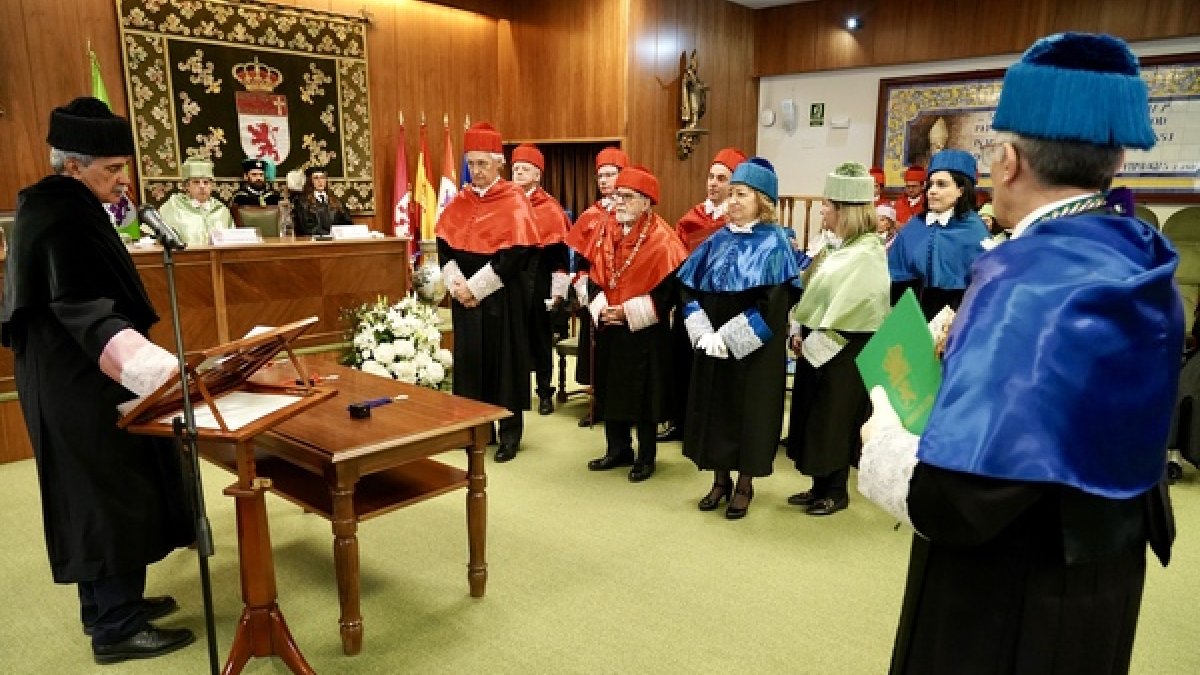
(234, 411)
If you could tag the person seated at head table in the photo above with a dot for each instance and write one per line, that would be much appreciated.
(317, 209)
(195, 213)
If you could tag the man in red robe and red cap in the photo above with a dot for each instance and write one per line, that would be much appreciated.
(609, 163)
(709, 216)
(880, 179)
(487, 237)
(550, 277)
(630, 293)
(693, 228)
(912, 202)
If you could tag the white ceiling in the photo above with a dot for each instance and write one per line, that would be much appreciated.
(759, 4)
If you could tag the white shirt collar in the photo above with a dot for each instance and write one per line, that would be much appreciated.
(608, 203)
(483, 191)
(714, 211)
(742, 229)
(941, 219)
(530, 191)
(1040, 211)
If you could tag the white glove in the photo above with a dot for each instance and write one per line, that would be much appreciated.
(712, 345)
(883, 417)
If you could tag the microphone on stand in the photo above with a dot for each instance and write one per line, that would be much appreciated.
(164, 233)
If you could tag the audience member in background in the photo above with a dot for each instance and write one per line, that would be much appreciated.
(318, 209)
(880, 178)
(631, 290)
(912, 201)
(76, 316)
(487, 237)
(550, 280)
(933, 253)
(609, 163)
(196, 213)
(736, 294)
(701, 221)
(886, 228)
(1038, 480)
(843, 304)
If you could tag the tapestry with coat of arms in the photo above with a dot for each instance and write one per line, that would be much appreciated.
(226, 81)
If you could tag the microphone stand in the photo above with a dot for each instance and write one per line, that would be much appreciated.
(185, 438)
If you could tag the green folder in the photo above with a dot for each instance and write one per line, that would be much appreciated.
(900, 358)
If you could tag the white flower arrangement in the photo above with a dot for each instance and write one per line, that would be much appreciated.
(401, 341)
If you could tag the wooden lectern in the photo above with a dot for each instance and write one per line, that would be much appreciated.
(230, 411)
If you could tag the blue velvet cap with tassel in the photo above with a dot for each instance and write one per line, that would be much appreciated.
(1077, 87)
(758, 173)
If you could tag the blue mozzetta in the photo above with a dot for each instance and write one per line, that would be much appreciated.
(1059, 393)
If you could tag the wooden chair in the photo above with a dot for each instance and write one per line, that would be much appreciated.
(1183, 229)
(263, 218)
(1145, 213)
(568, 346)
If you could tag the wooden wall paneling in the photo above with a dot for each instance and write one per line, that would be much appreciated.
(660, 31)
(562, 65)
(22, 149)
(14, 437)
(918, 31)
(382, 64)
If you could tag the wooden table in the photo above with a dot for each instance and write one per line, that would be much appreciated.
(351, 470)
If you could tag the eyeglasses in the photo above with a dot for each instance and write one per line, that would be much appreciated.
(626, 195)
(606, 174)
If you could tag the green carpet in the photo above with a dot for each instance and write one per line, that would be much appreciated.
(588, 573)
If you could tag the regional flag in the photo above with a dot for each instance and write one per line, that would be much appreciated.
(447, 187)
(402, 225)
(123, 213)
(425, 195)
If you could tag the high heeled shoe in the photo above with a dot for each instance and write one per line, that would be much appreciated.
(734, 512)
(712, 500)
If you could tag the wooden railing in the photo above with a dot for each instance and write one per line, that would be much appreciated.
(788, 217)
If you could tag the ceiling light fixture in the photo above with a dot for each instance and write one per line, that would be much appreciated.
(853, 23)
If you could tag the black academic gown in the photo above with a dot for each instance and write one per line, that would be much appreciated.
(491, 341)
(1021, 578)
(112, 502)
(632, 369)
(735, 407)
(544, 323)
(315, 217)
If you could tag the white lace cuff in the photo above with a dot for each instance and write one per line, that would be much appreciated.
(885, 470)
(597, 305)
(696, 322)
(148, 368)
(451, 274)
(745, 333)
(484, 282)
(559, 283)
(640, 313)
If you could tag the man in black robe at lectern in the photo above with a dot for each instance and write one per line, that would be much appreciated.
(75, 314)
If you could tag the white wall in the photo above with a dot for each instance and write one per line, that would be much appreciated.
(803, 157)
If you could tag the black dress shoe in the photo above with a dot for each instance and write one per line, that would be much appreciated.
(712, 500)
(735, 512)
(641, 471)
(154, 608)
(505, 452)
(803, 498)
(146, 644)
(546, 405)
(827, 506)
(611, 462)
(671, 433)
(586, 420)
